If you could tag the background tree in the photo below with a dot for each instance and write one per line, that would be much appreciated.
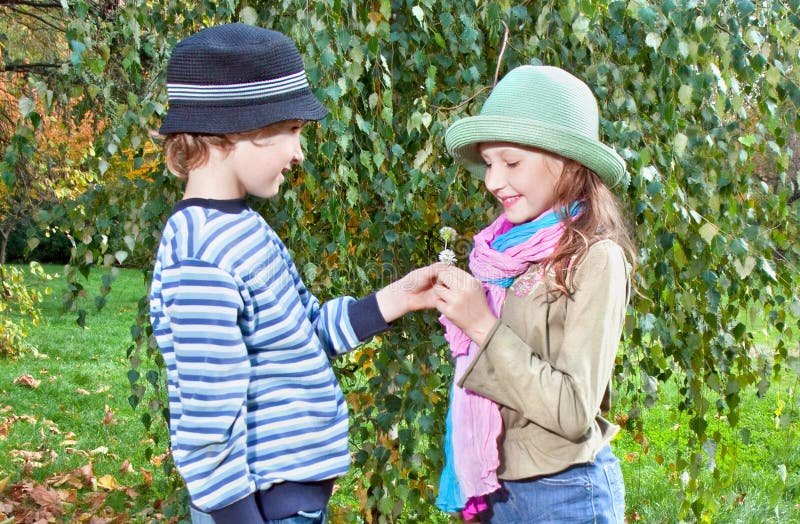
(694, 95)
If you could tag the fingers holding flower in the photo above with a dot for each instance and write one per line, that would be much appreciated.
(462, 299)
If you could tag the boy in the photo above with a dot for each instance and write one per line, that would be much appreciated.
(258, 424)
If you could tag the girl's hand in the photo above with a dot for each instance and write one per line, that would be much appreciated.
(462, 299)
(410, 293)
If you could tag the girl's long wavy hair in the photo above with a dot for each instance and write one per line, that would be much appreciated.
(601, 218)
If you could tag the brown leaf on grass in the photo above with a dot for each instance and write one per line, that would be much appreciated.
(157, 460)
(51, 426)
(4, 483)
(5, 427)
(148, 477)
(87, 473)
(81, 391)
(48, 499)
(96, 500)
(126, 467)
(26, 455)
(27, 381)
(6, 409)
(5, 509)
(109, 419)
(70, 479)
(25, 418)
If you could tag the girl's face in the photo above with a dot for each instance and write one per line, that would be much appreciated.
(523, 179)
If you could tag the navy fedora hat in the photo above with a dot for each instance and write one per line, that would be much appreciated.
(235, 77)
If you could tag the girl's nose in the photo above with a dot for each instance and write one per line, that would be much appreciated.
(493, 179)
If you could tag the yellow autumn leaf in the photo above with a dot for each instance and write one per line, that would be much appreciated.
(108, 482)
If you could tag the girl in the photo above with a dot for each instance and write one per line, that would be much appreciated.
(535, 331)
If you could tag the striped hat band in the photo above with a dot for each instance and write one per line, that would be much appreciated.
(233, 92)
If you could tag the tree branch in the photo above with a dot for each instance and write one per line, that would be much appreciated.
(794, 198)
(30, 3)
(35, 17)
(27, 68)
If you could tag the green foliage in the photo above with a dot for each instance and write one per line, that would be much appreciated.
(700, 98)
(19, 306)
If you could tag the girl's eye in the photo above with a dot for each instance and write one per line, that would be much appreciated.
(512, 164)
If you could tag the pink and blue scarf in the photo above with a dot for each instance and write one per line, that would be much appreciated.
(502, 252)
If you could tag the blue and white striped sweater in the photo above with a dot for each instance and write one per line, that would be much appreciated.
(252, 397)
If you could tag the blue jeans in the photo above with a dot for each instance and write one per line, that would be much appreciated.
(303, 517)
(585, 493)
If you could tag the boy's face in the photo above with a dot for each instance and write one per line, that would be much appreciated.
(260, 164)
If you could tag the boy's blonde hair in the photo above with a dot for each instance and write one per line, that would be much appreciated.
(187, 151)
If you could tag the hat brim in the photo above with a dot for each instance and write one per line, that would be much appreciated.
(463, 137)
(224, 119)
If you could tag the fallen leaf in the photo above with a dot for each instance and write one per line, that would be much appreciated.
(87, 473)
(126, 467)
(27, 381)
(100, 450)
(67, 478)
(148, 477)
(108, 482)
(81, 391)
(109, 419)
(96, 500)
(4, 483)
(47, 498)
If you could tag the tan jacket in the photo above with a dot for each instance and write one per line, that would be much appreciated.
(549, 365)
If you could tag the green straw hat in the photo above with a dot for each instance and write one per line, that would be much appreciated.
(544, 107)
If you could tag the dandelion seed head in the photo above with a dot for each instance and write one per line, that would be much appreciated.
(446, 256)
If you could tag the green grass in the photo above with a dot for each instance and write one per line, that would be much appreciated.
(79, 414)
(81, 371)
(750, 459)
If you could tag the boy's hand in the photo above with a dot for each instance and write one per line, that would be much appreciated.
(410, 293)
(462, 299)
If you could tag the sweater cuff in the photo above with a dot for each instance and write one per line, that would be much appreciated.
(243, 510)
(366, 317)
